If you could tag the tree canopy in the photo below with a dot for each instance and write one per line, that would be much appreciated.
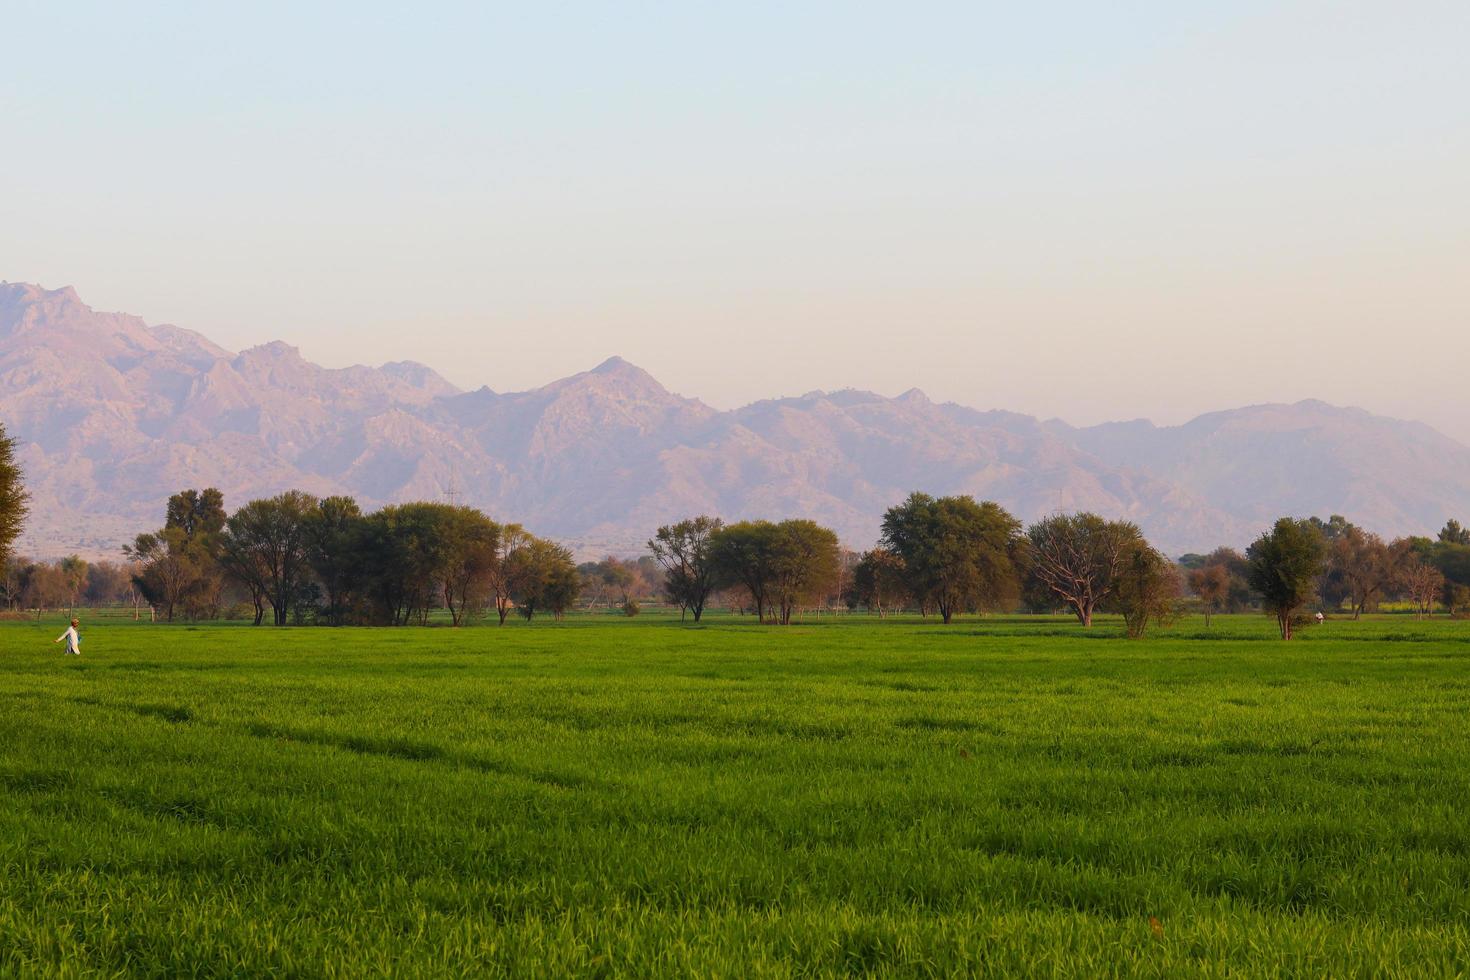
(13, 498)
(1285, 564)
(266, 546)
(1077, 557)
(959, 555)
(686, 552)
(781, 565)
(1146, 589)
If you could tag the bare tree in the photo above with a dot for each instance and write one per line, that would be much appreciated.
(165, 567)
(12, 579)
(1364, 564)
(1077, 557)
(501, 575)
(1423, 582)
(43, 586)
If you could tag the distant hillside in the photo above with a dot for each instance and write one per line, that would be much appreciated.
(113, 415)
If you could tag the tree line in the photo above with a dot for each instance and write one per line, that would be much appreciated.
(1334, 564)
(952, 555)
(944, 556)
(299, 559)
(67, 583)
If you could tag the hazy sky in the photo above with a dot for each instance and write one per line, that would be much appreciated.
(1077, 209)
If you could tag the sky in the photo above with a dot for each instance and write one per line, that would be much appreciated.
(1077, 210)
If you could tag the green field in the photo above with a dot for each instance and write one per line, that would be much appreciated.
(638, 798)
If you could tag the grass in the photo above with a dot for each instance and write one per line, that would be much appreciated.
(635, 798)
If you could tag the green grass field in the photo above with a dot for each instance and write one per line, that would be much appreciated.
(636, 798)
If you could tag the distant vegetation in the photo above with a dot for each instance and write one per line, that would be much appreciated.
(294, 559)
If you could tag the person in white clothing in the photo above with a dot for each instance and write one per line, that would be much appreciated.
(73, 640)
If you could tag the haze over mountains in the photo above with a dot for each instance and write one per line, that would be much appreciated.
(112, 415)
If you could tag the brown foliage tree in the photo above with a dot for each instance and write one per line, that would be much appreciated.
(1077, 557)
(1212, 584)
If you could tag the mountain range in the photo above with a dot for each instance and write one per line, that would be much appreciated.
(112, 415)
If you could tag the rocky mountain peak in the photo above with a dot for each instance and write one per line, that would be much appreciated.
(275, 350)
(616, 365)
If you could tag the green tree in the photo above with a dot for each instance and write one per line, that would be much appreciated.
(197, 512)
(743, 554)
(333, 533)
(685, 552)
(880, 581)
(200, 516)
(501, 581)
(958, 554)
(1333, 528)
(405, 551)
(1453, 533)
(470, 555)
(804, 565)
(264, 544)
(609, 582)
(43, 585)
(107, 583)
(13, 498)
(782, 566)
(1284, 567)
(12, 580)
(543, 578)
(1145, 589)
(74, 574)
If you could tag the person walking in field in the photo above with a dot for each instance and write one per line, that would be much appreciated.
(73, 639)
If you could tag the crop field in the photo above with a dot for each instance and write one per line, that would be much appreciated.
(610, 797)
